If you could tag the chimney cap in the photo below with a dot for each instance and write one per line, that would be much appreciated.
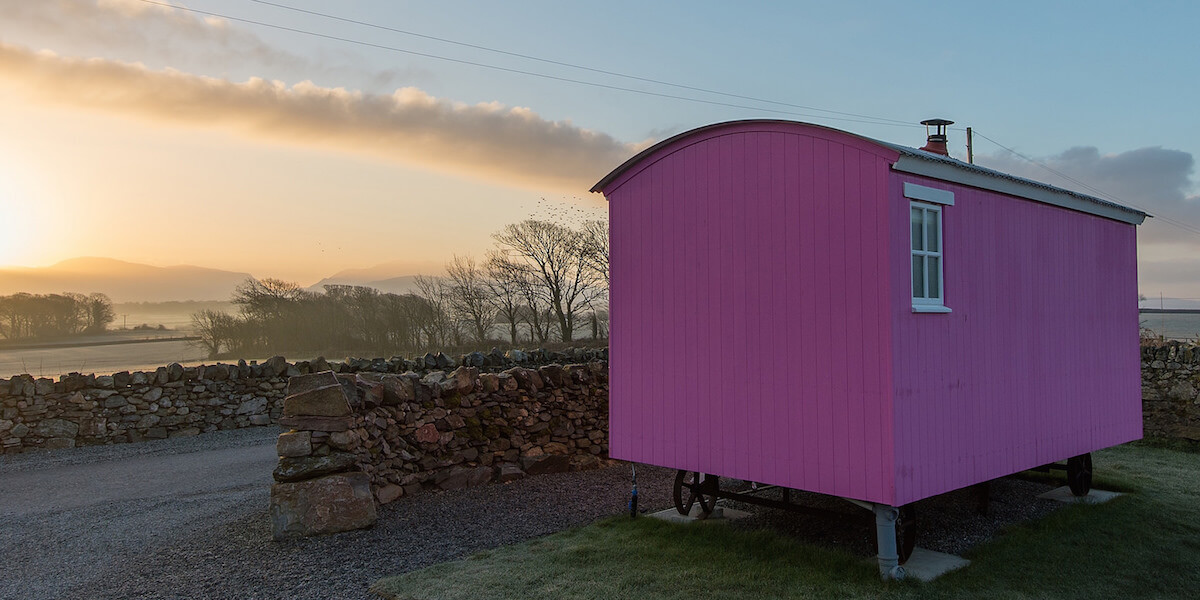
(936, 141)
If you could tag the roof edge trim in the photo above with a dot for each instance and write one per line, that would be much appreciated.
(1012, 187)
(640, 157)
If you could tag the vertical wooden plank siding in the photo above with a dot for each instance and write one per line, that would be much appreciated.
(1039, 359)
(749, 299)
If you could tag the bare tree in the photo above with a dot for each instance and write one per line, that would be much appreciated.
(434, 314)
(266, 298)
(555, 256)
(504, 280)
(469, 295)
(595, 247)
(215, 330)
(98, 312)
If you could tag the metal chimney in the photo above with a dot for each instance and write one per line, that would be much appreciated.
(936, 142)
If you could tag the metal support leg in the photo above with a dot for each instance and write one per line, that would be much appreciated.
(885, 532)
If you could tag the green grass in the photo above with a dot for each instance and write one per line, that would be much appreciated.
(1143, 545)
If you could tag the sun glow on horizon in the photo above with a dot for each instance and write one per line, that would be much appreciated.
(17, 243)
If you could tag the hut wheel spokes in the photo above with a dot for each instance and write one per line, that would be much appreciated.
(692, 487)
(1079, 474)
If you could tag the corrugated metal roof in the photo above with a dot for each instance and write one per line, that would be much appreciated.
(992, 173)
(936, 166)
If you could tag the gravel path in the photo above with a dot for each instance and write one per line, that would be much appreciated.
(214, 542)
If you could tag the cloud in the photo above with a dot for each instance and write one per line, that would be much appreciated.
(1174, 277)
(133, 30)
(1156, 180)
(138, 28)
(491, 141)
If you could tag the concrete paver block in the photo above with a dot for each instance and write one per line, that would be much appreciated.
(1063, 494)
(927, 565)
(719, 513)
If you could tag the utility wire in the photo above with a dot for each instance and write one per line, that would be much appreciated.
(578, 66)
(849, 117)
(519, 71)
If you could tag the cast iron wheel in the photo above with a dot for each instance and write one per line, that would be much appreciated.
(906, 532)
(1079, 474)
(698, 488)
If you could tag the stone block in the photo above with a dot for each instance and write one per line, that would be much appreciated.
(57, 428)
(260, 420)
(306, 383)
(464, 379)
(546, 463)
(428, 434)
(397, 389)
(508, 472)
(329, 504)
(328, 401)
(294, 443)
(461, 477)
(275, 366)
(253, 406)
(389, 493)
(56, 443)
(317, 423)
(343, 440)
(308, 467)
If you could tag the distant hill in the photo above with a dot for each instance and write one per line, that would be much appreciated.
(390, 277)
(122, 281)
(403, 284)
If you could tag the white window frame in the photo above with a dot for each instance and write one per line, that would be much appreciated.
(928, 200)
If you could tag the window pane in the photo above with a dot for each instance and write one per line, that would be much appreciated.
(935, 276)
(932, 231)
(918, 270)
(918, 232)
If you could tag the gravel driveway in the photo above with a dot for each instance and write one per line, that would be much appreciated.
(187, 518)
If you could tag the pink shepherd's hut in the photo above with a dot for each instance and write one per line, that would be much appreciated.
(805, 307)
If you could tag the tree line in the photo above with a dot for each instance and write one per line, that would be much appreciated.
(542, 281)
(31, 316)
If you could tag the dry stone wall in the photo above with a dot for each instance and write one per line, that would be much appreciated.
(410, 432)
(173, 400)
(1171, 391)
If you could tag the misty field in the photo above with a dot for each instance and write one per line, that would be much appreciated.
(53, 362)
(174, 317)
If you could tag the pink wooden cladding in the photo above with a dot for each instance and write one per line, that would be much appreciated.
(1039, 360)
(750, 289)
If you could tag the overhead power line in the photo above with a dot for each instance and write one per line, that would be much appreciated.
(869, 120)
(578, 66)
(846, 116)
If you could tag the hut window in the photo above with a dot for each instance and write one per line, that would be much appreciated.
(927, 288)
(925, 218)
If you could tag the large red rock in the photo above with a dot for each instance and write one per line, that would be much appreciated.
(328, 504)
(428, 434)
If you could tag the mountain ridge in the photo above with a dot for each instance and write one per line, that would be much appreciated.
(125, 281)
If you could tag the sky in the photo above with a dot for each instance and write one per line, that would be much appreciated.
(293, 145)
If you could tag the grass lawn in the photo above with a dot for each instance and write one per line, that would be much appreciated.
(1143, 545)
